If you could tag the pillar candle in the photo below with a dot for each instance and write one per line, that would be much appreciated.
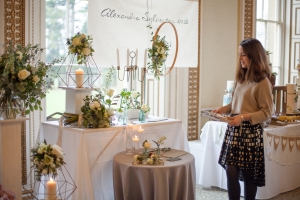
(127, 64)
(118, 57)
(136, 57)
(230, 86)
(145, 59)
(79, 73)
(51, 190)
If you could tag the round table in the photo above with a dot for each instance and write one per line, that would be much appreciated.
(174, 180)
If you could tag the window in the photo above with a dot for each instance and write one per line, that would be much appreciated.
(269, 31)
(64, 18)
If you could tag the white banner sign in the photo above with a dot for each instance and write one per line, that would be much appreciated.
(122, 24)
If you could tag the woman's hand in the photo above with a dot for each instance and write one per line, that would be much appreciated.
(220, 110)
(235, 120)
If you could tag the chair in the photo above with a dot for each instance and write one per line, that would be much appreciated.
(279, 99)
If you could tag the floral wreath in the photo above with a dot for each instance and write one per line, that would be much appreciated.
(81, 46)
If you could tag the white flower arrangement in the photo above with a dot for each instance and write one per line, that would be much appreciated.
(46, 159)
(81, 46)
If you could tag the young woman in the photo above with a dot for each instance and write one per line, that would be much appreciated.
(242, 153)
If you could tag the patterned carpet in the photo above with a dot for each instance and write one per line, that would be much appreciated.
(214, 193)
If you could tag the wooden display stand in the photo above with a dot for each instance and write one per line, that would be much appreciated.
(10, 155)
(74, 98)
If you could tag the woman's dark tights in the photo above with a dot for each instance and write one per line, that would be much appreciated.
(233, 185)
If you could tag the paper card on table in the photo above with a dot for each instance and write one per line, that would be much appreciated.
(283, 142)
(298, 143)
(269, 137)
(276, 141)
(291, 143)
(174, 153)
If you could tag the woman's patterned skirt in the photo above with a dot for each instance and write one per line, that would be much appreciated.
(244, 147)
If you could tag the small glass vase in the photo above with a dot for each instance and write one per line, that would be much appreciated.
(157, 151)
(142, 116)
(10, 105)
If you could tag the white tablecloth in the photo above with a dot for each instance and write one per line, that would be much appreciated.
(89, 152)
(173, 180)
(279, 178)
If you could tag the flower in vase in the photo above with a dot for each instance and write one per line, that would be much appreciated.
(160, 141)
(145, 108)
(146, 144)
(134, 94)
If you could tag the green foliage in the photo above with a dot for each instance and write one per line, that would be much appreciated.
(129, 100)
(158, 55)
(23, 73)
(95, 115)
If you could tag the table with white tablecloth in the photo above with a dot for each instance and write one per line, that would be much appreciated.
(281, 164)
(173, 180)
(89, 152)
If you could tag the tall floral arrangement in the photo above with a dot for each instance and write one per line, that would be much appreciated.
(81, 46)
(23, 74)
(158, 54)
(47, 159)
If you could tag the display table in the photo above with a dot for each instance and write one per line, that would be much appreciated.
(89, 152)
(173, 180)
(281, 166)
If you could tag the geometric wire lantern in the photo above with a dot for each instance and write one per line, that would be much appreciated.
(38, 189)
(88, 77)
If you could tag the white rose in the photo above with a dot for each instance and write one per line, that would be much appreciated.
(45, 171)
(134, 94)
(76, 41)
(56, 150)
(36, 161)
(144, 108)
(35, 79)
(82, 36)
(86, 51)
(20, 55)
(110, 92)
(149, 161)
(161, 50)
(94, 105)
(110, 111)
(147, 145)
(164, 56)
(23, 74)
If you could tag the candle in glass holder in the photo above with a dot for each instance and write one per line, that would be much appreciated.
(135, 140)
(79, 77)
(140, 130)
(51, 189)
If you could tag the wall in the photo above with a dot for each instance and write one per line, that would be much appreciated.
(1, 26)
(218, 49)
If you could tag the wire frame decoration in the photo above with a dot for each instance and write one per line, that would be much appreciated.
(84, 76)
(63, 184)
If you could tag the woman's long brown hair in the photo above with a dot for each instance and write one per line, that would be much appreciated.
(259, 67)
